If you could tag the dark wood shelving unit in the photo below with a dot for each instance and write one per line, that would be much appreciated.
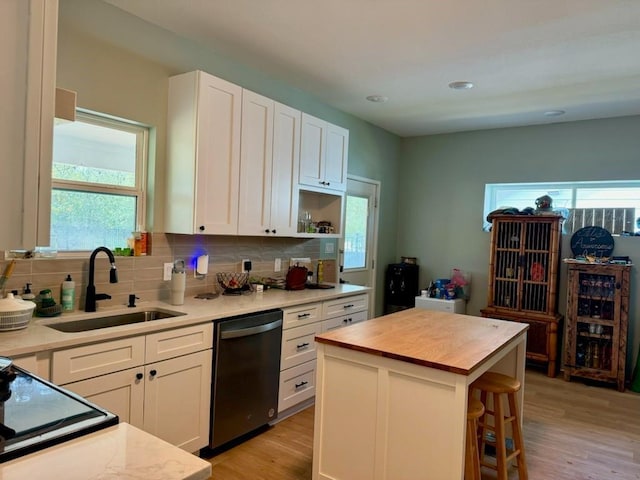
(597, 321)
(523, 278)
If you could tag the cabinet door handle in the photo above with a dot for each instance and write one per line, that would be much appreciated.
(201, 228)
(302, 345)
(348, 306)
(153, 373)
(304, 315)
(301, 384)
(139, 376)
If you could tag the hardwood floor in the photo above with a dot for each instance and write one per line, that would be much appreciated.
(572, 432)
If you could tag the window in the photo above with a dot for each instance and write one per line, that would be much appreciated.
(98, 177)
(355, 237)
(612, 205)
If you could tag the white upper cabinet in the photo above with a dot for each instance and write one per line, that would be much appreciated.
(268, 166)
(323, 154)
(27, 83)
(286, 157)
(240, 163)
(256, 153)
(203, 149)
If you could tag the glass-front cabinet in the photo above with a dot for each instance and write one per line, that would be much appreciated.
(523, 278)
(597, 319)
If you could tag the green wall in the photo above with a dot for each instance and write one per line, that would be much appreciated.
(120, 65)
(442, 192)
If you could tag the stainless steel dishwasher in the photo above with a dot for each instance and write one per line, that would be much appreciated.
(246, 375)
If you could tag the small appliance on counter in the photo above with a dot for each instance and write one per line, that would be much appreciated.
(296, 277)
(401, 286)
(35, 414)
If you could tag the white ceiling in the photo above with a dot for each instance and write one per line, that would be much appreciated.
(525, 57)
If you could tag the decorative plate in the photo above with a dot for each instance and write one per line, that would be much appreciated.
(595, 241)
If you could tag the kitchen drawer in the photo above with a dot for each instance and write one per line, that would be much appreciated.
(301, 315)
(181, 341)
(342, 306)
(89, 361)
(296, 385)
(344, 320)
(298, 345)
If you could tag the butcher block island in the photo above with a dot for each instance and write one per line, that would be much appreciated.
(391, 394)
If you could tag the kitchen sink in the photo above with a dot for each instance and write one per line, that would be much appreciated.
(112, 321)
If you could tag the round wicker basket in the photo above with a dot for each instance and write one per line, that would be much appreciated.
(15, 314)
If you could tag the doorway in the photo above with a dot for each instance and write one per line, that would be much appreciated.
(358, 246)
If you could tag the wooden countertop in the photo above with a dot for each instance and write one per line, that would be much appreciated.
(446, 341)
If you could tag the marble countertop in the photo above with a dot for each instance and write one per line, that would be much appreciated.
(446, 341)
(37, 337)
(121, 452)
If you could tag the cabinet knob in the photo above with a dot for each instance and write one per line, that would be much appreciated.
(327, 183)
(139, 376)
(266, 230)
(273, 231)
(153, 373)
(201, 228)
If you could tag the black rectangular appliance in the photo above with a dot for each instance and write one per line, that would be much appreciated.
(35, 414)
(246, 375)
(401, 287)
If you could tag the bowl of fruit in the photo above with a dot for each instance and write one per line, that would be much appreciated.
(233, 282)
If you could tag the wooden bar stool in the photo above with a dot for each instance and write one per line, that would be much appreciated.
(475, 410)
(495, 386)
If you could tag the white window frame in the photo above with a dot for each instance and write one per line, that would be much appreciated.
(491, 190)
(142, 157)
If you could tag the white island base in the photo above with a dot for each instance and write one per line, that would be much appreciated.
(382, 414)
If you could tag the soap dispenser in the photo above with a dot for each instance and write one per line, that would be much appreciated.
(68, 296)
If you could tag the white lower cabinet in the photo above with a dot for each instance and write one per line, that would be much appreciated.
(166, 392)
(298, 345)
(298, 354)
(343, 320)
(121, 393)
(297, 384)
(177, 397)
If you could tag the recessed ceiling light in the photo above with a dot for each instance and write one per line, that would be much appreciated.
(377, 98)
(461, 85)
(554, 113)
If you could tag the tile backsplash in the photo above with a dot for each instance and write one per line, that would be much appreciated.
(143, 275)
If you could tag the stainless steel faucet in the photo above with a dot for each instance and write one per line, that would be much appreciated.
(92, 296)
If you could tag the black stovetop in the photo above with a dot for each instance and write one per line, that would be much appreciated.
(35, 414)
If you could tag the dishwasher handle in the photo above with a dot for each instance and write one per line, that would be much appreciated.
(245, 332)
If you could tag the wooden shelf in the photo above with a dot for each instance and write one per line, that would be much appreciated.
(610, 346)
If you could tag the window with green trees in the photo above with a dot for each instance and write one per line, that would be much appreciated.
(99, 165)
